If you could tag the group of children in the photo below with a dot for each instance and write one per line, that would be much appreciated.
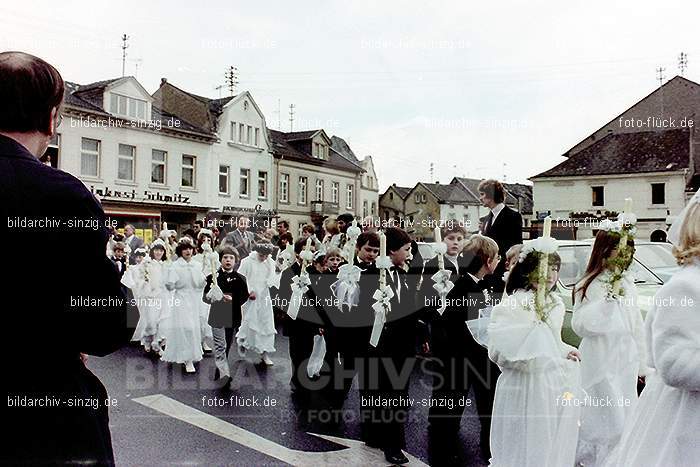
(539, 400)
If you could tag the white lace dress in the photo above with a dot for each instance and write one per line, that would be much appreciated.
(183, 338)
(664, 429)
(205, 262)
(257, 332)
(535, 422)
(613, 355)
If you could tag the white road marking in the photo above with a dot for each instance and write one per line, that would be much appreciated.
(356, 454)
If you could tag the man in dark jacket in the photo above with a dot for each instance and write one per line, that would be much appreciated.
(54, 406)
(503, 224)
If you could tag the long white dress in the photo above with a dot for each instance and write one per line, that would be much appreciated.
(205, 262)
(183, 339)
(665, 427)
(147, 282)
(257, 332)
(613, 355)
(535, 417)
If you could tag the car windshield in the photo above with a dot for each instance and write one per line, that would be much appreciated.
(574, 259)
(655, 255)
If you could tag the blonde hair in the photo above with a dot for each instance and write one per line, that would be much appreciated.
(482, 248)
(689, 245)
(333, 252)
(513, 251)
(331, 226)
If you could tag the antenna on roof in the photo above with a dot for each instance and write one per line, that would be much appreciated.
(291, 117)
(504, 172)
(219, 88)
(124, 47)
(137, 62)
(660, 75)
(232, 79)
(432, 171)
(682, 62)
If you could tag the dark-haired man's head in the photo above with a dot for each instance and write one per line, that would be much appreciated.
(344, 221)
(31, 92)
(491, 193)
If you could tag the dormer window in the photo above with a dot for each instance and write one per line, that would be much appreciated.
(320, 151)
(127, 106)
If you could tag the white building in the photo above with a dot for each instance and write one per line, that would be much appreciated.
(145, 165)
(315, 180)
(242, 165)
(657, 167)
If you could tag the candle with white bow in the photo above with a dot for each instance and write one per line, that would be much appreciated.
(622, 246)
(441, 278)
(383, 294)
(300, 283)
(346, 289)
(543, 266)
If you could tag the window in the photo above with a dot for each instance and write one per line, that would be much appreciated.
(335, 189)
(284, 188)
(658, 193)
(127, 106)
(257, 137)
(314, 150)
(418, 197)
(188, 170)
(319, 190)
(223, 179)
(391, 196)
(374, 208)
(244, 189)
(350, 196)
(241, 132)
(158, 163)
(302, 190)
(90, 157)
(233, 131)
(262, 185)
(249, 135)
(598, 195)
(365, 209)
(125, 162)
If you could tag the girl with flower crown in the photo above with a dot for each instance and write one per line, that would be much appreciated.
(663, 430)
(535, 422)
(607, 318)
(208, 261)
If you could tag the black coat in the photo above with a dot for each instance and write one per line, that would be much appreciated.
(506, 230)
(226, 314)
(43, 314)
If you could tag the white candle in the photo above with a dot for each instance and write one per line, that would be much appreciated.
(382, 254)
(547, 230)
(440, 258)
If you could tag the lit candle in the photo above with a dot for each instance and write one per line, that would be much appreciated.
(165, 226)
(438, 239)
(547, 230)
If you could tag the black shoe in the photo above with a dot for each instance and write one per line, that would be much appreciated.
(395, 456)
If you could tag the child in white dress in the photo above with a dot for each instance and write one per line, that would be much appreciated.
(613, 355)
(183, 335)
(209, 263)
(665, 427)
(534, 422)
(256, 336)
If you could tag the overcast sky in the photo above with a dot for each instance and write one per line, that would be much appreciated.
(481, 89)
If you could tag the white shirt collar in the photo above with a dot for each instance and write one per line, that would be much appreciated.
(476, 279)
(497, 210)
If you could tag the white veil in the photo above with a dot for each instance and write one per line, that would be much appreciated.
(674, 233)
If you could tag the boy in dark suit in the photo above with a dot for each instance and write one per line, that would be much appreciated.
(225, 314)
(460, 362)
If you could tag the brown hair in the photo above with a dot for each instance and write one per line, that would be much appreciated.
(452, 227)
(30, 89)
(520, 277)
(481, 249)
(331, 226)
(309, 228)
(493, 189)
(395, 239)
(367, 237)
(605, 243)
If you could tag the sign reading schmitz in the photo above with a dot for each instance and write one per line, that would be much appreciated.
(148, 196)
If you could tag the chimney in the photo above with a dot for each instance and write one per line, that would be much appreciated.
(163, 81)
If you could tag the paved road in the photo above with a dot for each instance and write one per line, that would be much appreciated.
(166, 417)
